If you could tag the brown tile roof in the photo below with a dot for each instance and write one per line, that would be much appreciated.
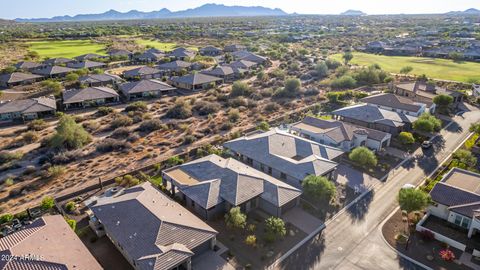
(392, 101)
(17, 77)
(53, 241)
(85, 94)
(32, 105)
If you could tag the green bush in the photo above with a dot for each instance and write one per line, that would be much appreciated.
(69, 134)
(72, 223)
(5, 218)
(406, 137)
(47, 203)
(240, 89)
(319, 187)
(363, 156)
(342, 82)
(70, 206)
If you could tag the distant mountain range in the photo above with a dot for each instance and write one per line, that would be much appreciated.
(470, 11)
(207, 10)
(352, 12)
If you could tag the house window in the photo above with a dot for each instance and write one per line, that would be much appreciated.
(261, 167)
(465, 222)
(193, 204)
(283, 176)
(458, 220)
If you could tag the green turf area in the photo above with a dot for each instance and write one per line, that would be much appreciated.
(65, 48)
(164, 46)
(434, 68)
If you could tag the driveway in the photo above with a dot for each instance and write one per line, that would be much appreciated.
(355, 179)
(302, 220)
(210, 260)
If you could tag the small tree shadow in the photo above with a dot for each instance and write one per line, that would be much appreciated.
(358, 210)
(306, 256)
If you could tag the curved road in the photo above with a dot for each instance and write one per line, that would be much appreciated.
(353, 240)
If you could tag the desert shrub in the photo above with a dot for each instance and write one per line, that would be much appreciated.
(189, 139)
(121, 121)
(30, 137)
(66, 157)
(72, 223)
(120, 133)
(240, 89)
(8, 182)
(238, 102)
(226, 126)
(181, 110)
(133, 137)
(272, 107)
(56, 171)
(332, 64)
(127, 180)
(69, 134)
(251, 240)
(175, 160)
(47, 203)
(233, 115)
(206, 107)
(37, 125)
(5, 218)
(342, 82)
(151, 125)
(6, 156)
(137, 106)
(70, 206)
(110, 145)
(104, 110)
(91, 125)
(263, 126)
(406, 137)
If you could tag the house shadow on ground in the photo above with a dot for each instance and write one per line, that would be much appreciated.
(306, 256)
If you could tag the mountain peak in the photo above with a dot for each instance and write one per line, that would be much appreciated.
(206, 10)
(352, 12)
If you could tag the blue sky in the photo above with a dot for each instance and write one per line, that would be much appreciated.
(48, 8)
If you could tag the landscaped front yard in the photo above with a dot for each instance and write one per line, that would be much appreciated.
(263, 253)
(421, 249)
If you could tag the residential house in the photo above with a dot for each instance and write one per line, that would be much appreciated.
(57, 61)
(150, 229)
(455, 207)
(227, 73)
(235, 48)
(100, 79)
(86, 64)
(145, 89)
(396, 103)
(18, 78)
(149, 56)
(376, 118)
(248, 56)
(339, 134)
(195, 81)
(376, 47)
(212, 185)
(210, 51)
(175, 67)
(120, 53)
(142, 73)
(88, 97)
(285, 156)
(243, 64)
(47, 243)
(53, 71)
(425, 92)
(182, 54)
(27, 65)
(88, 56)
(28, 109)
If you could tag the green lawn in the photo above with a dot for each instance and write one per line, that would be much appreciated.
(65, 48)
(164, 46)
(434, 68)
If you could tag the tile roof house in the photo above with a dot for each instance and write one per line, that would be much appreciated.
(175, 66)
(243, 64)
(212, 185)
(376, 118)
(18, 78)
(339, 134)
(100, 79)
(141, 73)
(182, 53)
(400, 104)
(27, 109)
(227, 73)
(210, 51)
(234, 48)
(27, 65)
(86, 64)
(456, 202)
(425, 92)
(195, 81)
(285, 156)
(150, 229)
(57, 61)
(53, 71)
(248, 56)
(89, 56)
(50, 244)
(88, 97)
(152, 55)
(145, 89)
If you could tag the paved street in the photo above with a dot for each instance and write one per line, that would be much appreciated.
(353, 240)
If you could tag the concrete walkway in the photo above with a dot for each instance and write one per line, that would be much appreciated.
(302, 220)
(466, 259)
(210, 260)
(396, 152)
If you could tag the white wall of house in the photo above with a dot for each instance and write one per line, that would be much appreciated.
(439, 210)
